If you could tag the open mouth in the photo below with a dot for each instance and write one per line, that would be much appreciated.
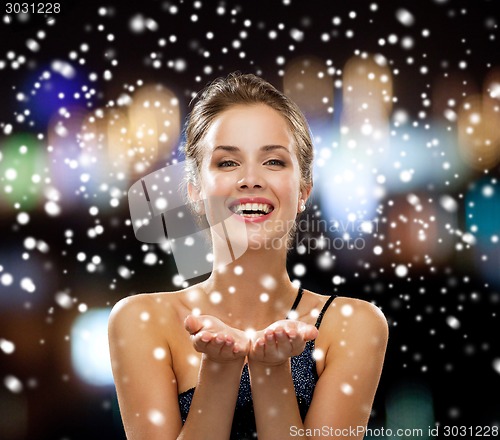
(251, 209)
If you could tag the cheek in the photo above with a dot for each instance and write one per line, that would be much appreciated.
(288, 192)
(216, 184)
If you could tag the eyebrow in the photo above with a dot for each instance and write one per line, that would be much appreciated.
(232, 148)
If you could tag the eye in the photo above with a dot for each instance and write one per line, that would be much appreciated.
(275, 162)
(226, 164)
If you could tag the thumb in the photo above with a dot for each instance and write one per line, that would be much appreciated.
(192, 324)
(310, 332)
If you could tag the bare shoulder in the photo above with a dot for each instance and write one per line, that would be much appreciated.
(155, 311)
(144, 314)
(130, 305)
(359, 311)
(355, 319)
(136, 307)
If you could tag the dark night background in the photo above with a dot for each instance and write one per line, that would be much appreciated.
(60, 260)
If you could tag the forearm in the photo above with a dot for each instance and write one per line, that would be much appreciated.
(274, 400)
(212, 408)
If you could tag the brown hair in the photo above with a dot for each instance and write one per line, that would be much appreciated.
(238, 89)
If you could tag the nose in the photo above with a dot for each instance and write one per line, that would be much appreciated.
(250, 178)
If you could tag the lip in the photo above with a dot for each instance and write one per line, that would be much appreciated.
(262, 218)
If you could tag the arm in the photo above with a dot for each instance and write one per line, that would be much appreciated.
(223, 353)
(353, 363)
(345, 391)
(273, 392)
(146, 384)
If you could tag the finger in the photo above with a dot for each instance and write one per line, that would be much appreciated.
(241, 346)
(274, 342)
(291, 332)
(269, 337)
(219, 340)
(193, 324)
(268, 344)
(209, 343)
(288, 345)
(259, 347)
(309, 332)
(281, 335)
(232, 345)
(236, 348)
(223, 347)
(205, 336)
(227, 347)
(201, 341)
(297, 345)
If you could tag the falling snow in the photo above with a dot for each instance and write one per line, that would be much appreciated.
(8, 347)
(406, 194)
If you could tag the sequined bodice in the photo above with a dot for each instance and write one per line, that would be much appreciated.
(304, 377)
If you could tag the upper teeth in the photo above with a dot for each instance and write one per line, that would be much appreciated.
(264, 207)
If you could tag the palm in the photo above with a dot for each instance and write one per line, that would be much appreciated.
(281, 340)
(271, 346)
(219, 341)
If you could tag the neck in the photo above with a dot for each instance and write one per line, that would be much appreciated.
(254, 290)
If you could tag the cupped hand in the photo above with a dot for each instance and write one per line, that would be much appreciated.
(281, 340)
(219, 341)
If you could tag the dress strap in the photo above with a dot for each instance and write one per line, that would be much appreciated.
(324, 309)
(296, 302)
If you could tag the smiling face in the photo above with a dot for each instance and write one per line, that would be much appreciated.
(250, 165)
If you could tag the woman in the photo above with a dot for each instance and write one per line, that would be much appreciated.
(292, 362)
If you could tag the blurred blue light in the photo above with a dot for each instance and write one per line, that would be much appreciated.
(347, 189)
(482, 219)
(419, 158)
(58, 85)
(89, 347)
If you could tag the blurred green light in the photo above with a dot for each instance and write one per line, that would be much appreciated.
(22, 167)
(410, 411)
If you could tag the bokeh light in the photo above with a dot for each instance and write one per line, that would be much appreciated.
(89, 348)
(482, 219)
(22, 171)
(403, 104)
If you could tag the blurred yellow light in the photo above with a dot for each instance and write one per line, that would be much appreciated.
(308, 84)
(478, 133)
(154, 125)
(367, 89)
